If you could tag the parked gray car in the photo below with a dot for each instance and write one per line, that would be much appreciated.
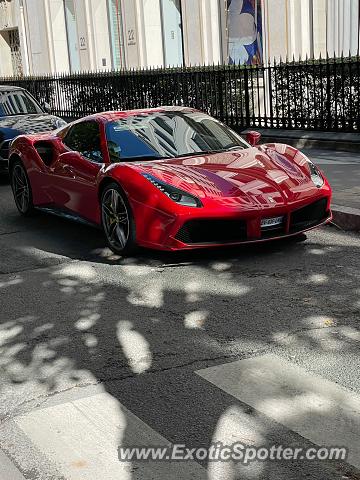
(21, 113)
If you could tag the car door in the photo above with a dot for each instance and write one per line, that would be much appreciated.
(76, 170)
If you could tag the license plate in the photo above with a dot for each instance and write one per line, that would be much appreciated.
(271, 222)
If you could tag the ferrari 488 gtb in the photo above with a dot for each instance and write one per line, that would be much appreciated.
(168, 178)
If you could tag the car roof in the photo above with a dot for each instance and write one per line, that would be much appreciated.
(115, 115)
(7, 88)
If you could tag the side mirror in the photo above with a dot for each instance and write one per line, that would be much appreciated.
(253, 138)
(46, 107)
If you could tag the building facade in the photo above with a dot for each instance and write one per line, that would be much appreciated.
(45, 36)
(13, 49)
(311, 28)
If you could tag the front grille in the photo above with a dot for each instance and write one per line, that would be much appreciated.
(309, 216)
(212, 231)
(4, 149)
(273, 232)
(203, 231)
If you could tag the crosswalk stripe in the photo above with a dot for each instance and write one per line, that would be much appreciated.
(317, 409)
(8, 471)
(82, 437)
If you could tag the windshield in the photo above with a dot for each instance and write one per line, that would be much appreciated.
(168, 135)
(17, 102)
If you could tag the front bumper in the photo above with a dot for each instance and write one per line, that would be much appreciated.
(233, 228)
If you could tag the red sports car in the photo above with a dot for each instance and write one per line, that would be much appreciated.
(168, 178)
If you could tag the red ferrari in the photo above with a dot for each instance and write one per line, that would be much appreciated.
(168, 178)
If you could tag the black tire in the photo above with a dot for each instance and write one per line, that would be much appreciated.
(117, 220)
(21, 188)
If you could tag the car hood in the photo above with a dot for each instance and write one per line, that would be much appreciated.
(13, 125)
(267, 176)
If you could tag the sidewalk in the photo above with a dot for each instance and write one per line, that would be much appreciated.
(333, 141)
(343, 172)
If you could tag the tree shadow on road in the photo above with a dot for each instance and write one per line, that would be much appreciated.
(141, 328)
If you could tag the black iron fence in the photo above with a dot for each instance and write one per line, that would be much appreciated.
(314, 94)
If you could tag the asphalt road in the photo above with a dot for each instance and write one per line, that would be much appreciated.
(255, 344)
(343, 172)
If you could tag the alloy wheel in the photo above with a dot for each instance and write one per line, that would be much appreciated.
(21, 188)
(115, 219)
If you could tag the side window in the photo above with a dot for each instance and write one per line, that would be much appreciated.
(84, 138)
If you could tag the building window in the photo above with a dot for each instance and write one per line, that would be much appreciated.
(71, 32)
(14, 43)
(244, 23)
(172, 32)
(116, 33)
(11, 53)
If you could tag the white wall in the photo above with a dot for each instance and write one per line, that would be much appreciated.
(354, 27)
(57, 30)
(211, 28)
(342, 27)
(20, 13)
(320, 28)
(193, 32)
(82, 21)
(216, 34)
(332, 27)
(299, 29)
(153, 42)
(5, 56)
(99, 35)
(7, 20)
(37, 39)
(276, 34)
(7, 15)
(132, 33)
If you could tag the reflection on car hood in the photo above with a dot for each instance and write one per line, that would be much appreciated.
(40, 122)
(269, 175)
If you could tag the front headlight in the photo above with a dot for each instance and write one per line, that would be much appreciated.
(175, 194)
(316, 176)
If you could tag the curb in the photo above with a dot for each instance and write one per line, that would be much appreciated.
(309, 143)
(346, 218)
